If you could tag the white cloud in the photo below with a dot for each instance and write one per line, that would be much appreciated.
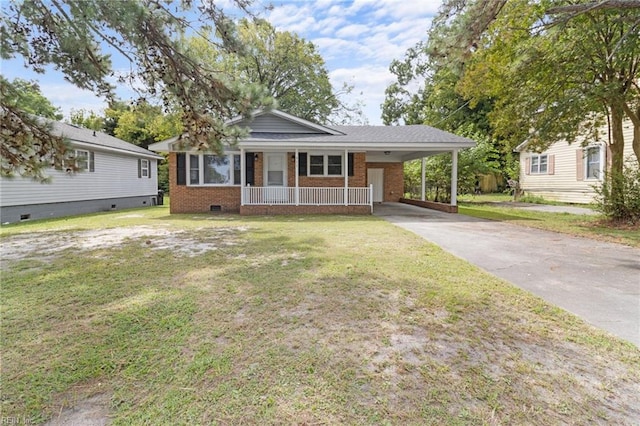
(69, 97)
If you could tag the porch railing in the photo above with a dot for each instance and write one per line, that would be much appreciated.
(307, 196)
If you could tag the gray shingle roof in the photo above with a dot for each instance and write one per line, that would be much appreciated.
(99, 139)
(370, 134)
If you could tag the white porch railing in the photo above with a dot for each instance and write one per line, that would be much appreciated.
(307, 196)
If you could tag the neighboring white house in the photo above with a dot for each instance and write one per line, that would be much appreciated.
(114, 174)
(567, 172)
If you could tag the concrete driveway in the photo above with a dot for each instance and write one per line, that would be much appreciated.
(597, 281)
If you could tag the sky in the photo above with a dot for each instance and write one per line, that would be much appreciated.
(357, 39)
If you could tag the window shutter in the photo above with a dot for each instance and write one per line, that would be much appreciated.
(527, 166)
(608, 159)
(249, 166)
(149, 172)
(181, 169)
(139, 167)
(302, 164)
(551, 164)
(579, 164)
(350, 164)
(92, 161)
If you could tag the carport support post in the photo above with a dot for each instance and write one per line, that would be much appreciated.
(243, 175)
(423, 187)
(454, 177)
(297, 175)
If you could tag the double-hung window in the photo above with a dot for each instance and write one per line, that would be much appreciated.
(81, 160)
(325, 165)
(144, 168)
(210, 169)
(593, 162)
(539, 164)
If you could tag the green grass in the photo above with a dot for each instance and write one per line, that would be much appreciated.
(593, 227)
(270, 320)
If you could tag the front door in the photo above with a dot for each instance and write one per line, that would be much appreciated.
(375, 177)
(275, 176)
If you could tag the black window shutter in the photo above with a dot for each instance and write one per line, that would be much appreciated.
(139, 168)
(92, 161)
(350, 163)
(302, 164)
(249, 165)
(181, 168)
(149, 164)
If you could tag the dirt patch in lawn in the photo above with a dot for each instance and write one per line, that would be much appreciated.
(45, 246)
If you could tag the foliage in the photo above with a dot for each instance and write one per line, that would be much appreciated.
(563, 79)
(27, 143)
(70, 36)
(481, 159)
(286, 65)
(622, 206)
(28, 97)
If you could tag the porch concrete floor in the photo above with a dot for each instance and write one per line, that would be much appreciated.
(598, 281)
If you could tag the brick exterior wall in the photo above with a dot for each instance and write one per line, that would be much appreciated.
(447, 208)
(393, 180)
(191, 199)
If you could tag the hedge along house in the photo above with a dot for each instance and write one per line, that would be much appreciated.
(288, 165)
(113, 174)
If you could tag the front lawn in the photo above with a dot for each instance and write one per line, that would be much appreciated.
(147, 318)
(594, 227)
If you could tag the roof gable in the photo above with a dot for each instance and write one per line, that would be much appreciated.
(275, 121)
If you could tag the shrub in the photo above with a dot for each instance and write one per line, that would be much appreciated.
(623, 204)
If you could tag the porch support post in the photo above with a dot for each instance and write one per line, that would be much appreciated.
(423, 185)
(296, 173)
(243, 175)
(454, 177)
(345, 170)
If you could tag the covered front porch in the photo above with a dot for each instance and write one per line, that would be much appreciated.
(303, 179)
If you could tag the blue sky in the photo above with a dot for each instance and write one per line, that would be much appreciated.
(358, 40)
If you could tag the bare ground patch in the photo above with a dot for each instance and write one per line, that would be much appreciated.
(45, 246)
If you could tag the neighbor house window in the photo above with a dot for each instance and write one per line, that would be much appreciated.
(209, 169)
(539, 164)
(593, 162)
(325, 165)
(144, 168)
(81, 159)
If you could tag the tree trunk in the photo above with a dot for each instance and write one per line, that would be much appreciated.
(634, 116)
(617, 155)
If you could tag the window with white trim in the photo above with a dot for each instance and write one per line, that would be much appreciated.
(325, 165)
(80, 159)
(144, 168)
(539, 164)
(214, 170)
(593, 162)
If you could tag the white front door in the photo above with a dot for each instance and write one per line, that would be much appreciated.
(275, 176)
(375, 177)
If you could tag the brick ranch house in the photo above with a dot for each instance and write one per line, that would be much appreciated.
(288, 165)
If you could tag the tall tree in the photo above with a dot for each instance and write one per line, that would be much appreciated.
(70, 35)
(560, 79)
(288, 66)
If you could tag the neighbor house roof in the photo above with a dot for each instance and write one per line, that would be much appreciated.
(80, 136)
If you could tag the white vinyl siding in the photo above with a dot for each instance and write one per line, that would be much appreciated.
(569, 182)
(271, 124)
(115, 175)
